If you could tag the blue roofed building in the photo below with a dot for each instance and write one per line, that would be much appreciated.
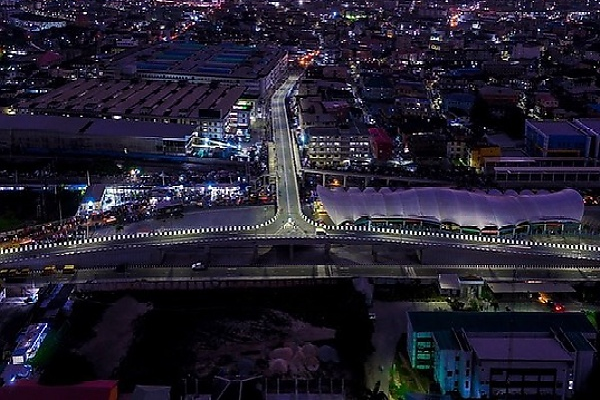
(28, 343)
(458, 101)
(556, 139)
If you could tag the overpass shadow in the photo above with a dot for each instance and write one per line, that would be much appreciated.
(297, 254)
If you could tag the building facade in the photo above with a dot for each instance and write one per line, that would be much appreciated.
(503, 355)
(334, 148)
(556, 139)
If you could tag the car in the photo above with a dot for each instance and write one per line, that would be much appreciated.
(558, 307)
(198, 266)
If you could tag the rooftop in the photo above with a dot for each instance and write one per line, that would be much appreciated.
(70, 126)
(432, 321)
(590, 123)
(42, 122)
(563, 128)
(461, 207)
(223, 60)
(522, 287)
(519, 348)
(123, 98)
(107, 127)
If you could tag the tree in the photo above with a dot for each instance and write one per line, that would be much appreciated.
(374, 394)
(480, 113)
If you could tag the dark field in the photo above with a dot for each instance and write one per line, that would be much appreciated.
(197, 335)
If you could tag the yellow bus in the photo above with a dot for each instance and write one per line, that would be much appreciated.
(68, 269)
(49, 270)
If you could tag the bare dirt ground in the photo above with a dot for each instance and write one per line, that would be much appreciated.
(255, 340)
(114, 334)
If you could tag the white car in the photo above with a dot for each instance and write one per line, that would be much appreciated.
(198, 266)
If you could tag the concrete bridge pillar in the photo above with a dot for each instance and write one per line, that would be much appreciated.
(255, 254)
(207, 254)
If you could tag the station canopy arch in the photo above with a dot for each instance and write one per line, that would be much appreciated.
(476, 209)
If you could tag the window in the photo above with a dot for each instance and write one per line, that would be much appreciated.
(449, 374)
(466, 384)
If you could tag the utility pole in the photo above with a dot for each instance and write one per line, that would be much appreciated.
(60, 217)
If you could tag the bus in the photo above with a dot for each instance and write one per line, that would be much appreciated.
(49, 270)
(68, 269)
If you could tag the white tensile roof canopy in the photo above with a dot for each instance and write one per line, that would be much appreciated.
(445, 205)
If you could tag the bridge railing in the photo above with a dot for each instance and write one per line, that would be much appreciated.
(156, 233)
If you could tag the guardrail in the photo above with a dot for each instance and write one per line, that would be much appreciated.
(454, 236)
(117, 237)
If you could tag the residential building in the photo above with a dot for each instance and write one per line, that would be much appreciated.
(377, 87)
(335, 147)
(312, 113)
(382, 146)
(457, 149)
(499, 96)
(478, 154)
(503, 354)
(458, 101)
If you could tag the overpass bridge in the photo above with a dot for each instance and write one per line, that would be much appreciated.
(268, 235)
(290, 227)
(161, 277)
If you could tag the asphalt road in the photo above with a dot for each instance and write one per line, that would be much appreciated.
(263, 272)
(290, 212)
(196, 218)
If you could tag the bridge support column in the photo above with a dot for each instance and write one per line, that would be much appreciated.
(374, 253)
(327, 249)
(291, 252)
(324, 180)
(207, 254)
(255, 254)
(345, 180)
